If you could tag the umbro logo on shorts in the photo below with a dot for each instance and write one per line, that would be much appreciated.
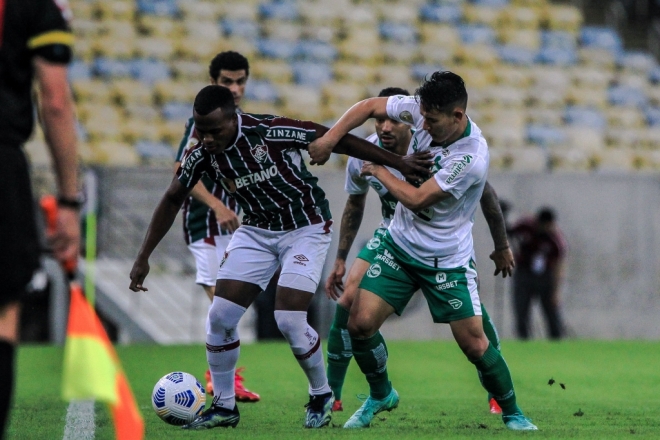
(301, 259)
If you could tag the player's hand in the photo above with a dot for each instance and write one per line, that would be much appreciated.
(334, 284)
(319, 150)
(227, 218)
(504, 262)
(416, 166)
(369, 169)
(64, 240)
(138, 274)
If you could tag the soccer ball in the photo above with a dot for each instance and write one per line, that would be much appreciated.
(178, 398)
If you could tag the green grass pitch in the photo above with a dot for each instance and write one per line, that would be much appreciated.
(614, 385)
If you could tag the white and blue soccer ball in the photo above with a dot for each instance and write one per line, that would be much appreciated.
(178, 398)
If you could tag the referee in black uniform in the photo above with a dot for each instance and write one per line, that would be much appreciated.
(35, 44)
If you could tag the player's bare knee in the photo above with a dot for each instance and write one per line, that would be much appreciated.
(360, 326)
(474, 348)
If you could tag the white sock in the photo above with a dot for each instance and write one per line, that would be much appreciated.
(306, 347)
(223, 348)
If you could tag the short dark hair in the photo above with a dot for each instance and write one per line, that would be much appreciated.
(442, 92)
(392, 91)
(212, 97)
(228, 60)
(545, 215)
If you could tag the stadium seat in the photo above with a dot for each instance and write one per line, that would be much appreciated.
(154, 48)
(264, 91)
(394, 75)
(591, 77)
(311, 73)
(300, 102)
(585, 117)
(345, 94)
(637, 61)
(586, 139)
(545, 116)
(652, 115)
(244, 10)
(517, 55)
(506, 74)
(520, 17)
(107, 68)
(188, 70)
(178, 91)
(196, 49)
(177, 111)
(503, 136)
(400, 12)
(623, 137)
(587, 97)
(509, 97)
(418, 72)
(565, 158)
(111, 153)
(563, 18)
(524, 38)
(625, 117)
(359, 15)
(480, 55)
(529, 159)
(113, 48)
(482, 15)
(476, 77)
(91, 90)
(441, 13)
(130, 91)
(492, 3)
(205, 29)
(150, 71)
(542, 96)
(618, 161)
(398, 32)
(279, 49)
(155, 151)
(440, 35)
(160, 26)
(597, 57)
(354, 73)
(134, 130)
(316, 51)
(399, 53)
(476, 34)
(545, 136)
(310, 13)
(627, 96)
(142, 112)
(281, 30)
(601, 38)
(240, 28)
(199, 10)
(79, 70)
(557, 56)
(276, 71)
(287, 11)
(168, 8)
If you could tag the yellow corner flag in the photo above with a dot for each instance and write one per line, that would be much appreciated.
(92, 369)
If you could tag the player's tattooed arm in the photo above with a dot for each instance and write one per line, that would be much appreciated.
(350, 223)
(502, 255)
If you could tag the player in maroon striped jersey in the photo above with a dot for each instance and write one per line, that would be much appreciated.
(287, 222)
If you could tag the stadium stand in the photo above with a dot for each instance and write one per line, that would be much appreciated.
(574, 97)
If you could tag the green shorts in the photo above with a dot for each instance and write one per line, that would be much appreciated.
(395, 276)
(368, 252)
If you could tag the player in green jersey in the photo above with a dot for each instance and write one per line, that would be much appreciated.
(429, 243)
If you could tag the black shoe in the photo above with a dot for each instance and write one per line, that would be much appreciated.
(215, 416)
(319, 410)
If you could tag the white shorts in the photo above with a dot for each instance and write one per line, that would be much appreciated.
(254, 254)
(208, 253)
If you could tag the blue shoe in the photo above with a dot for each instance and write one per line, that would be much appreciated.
(518, 422)
(365, 414)
(319, 410)
(214, 417)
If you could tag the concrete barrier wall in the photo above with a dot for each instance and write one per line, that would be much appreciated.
(611, 223)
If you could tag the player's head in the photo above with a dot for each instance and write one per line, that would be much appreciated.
(215, 118)
(393, 135)
(230, 69)
(442, 101)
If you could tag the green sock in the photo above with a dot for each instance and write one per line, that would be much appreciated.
(491, 334)
(371, 355)
(496, 378)
(489, 328)
(339, 351)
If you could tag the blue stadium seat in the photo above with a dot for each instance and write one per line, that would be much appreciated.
(491, 3)
(558, 40)
(282, 10)
(112, 68)
(476, 34)
(585, 117)
(311, 73)
(79, 70)
(399, 32)
(419, 71)
(177, 111)
(316, 51)
(516, 55)
(601, 37)
(652, 116)
(240, 28)
(281, 49)
(628, 96)
(654, 75)
(557, 56)
(637, 60)
(441, 13)
(154, 150)
(150, 71)
(163, 8)
(545, 136)
(257, 90)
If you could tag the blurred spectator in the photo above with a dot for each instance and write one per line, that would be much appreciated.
(540, 254)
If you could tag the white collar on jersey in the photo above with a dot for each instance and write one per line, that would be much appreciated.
(239, 131)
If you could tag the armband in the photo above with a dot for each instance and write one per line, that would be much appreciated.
(71, 203)
(55, 53)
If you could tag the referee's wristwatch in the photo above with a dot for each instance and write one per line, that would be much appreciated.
(71, 202)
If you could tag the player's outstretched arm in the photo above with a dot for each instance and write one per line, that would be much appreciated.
(502, 255)
(161, 222)
(351, 220)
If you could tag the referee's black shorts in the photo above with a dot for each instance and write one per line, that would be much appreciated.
(19, 242)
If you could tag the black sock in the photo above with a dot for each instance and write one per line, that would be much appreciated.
(6, 383)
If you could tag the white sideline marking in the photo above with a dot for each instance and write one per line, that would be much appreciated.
(80, 423)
